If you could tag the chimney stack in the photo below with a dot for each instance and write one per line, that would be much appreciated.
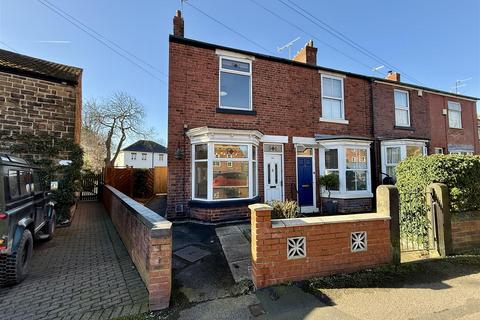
(178, 28)
(394, 76)
(307, 54)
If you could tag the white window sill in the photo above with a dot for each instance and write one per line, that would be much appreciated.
(348, 195)
(339, 121)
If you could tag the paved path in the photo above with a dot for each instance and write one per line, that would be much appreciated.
(83, 273)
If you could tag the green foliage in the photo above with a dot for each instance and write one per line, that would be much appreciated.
(284, 209)
(460, 173)
(140, 179)
(44, 150)
(329, 182)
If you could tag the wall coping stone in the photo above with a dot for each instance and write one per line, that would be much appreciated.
(157, 224)
(260, 207)
(465, 216)
(358, 217)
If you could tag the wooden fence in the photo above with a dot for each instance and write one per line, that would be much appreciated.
(122, 180)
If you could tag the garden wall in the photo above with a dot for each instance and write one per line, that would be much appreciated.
(295, 249)
(148, 239)
(466, 231)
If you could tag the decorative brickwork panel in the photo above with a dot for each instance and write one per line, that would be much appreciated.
(296, 248)
(358, 241)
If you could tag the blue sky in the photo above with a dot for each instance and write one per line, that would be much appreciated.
(435, 42)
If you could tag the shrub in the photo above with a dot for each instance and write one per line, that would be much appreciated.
(329, 182)
(284, 209)
(460, 173)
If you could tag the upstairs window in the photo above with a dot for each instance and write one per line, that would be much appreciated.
(160, 157)
(144, 156)
(235, 84)
(454, 115)
(402, 109)
(332, 98)
(134, 156)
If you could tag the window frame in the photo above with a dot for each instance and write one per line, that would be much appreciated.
(211, 163)
(144, 156)
(402, 144)
(341, 147)
(250, 74)
(458, 111)
(342, 99)
(407, 108)
(133, 156)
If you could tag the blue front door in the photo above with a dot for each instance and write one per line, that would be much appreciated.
(305, 182)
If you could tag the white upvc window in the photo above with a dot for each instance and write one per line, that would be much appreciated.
(235, 83)
(350, 160)
(133, 156)
(394, 151)
(402, 108)
(462, 152)
(144, 156)
(160, 157)
(224, 171)
(454, 115)
(333, 107)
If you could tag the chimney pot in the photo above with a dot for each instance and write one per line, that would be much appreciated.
(308, 54)
(178, 24)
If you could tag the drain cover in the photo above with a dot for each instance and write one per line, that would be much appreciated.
(191, 253)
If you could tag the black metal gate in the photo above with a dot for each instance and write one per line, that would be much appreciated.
(418, 232)
(91, 186)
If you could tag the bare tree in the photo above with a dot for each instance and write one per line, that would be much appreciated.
(116, 119)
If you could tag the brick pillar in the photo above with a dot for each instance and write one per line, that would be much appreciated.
(439, 201)
(388, 203)
(159, 268)
(261, 219)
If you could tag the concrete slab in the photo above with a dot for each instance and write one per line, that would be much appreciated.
(222, 231)
(234, 239)
(191, 253)
(236, 252)
(241, 270)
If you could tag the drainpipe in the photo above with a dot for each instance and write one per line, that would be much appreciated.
(375, 159)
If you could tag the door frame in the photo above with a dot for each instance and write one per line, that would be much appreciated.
(314, 207)
(282, 168)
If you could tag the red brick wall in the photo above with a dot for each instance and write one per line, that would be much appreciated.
(286, 99)
(466, 232)
(384, 113)
(441, 134)
(149, 247)
(328, 248)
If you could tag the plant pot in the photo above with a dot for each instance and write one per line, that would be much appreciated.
(330, 207)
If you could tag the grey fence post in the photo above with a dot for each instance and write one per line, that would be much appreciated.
(388, 203)
(438, 198)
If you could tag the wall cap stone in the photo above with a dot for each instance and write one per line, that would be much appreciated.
(157, 224)
(259, 207)
(359, 217)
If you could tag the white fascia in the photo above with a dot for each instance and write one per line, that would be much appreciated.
(206, 134)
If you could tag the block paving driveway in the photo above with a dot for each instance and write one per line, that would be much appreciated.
(85, 272)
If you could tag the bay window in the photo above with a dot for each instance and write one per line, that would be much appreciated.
(235, 83)
(394, 151)
(350, 161)
(224, 163)
(224, 171)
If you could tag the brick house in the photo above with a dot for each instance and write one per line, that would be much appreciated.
(246, 127)
(38, 97)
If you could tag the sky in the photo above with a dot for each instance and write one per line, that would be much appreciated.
(430, 42)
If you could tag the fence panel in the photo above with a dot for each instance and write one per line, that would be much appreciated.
(160, 180)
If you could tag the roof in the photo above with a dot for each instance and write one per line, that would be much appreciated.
(146, 146)
(207, 45)
(322, 137)
(25, 65)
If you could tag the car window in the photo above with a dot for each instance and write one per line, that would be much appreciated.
(37, 183)
(25, 183)
(11, 185)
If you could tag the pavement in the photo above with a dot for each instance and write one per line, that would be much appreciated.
(236, 246)
(85, 272)
(444, 290)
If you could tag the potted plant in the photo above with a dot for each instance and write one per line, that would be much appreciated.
(329, 182)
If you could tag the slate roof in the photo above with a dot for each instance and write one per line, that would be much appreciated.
(146, 146)
(15, 62)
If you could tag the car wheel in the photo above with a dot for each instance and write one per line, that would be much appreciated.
(17, 265)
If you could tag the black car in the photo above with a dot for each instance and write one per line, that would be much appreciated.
(26, 214)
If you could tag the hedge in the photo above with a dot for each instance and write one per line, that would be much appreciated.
(460, 173)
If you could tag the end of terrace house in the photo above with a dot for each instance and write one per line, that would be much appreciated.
(246, 127)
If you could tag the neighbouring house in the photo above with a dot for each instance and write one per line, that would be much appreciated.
(143, 154)
(38, 97)
(246, 127)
